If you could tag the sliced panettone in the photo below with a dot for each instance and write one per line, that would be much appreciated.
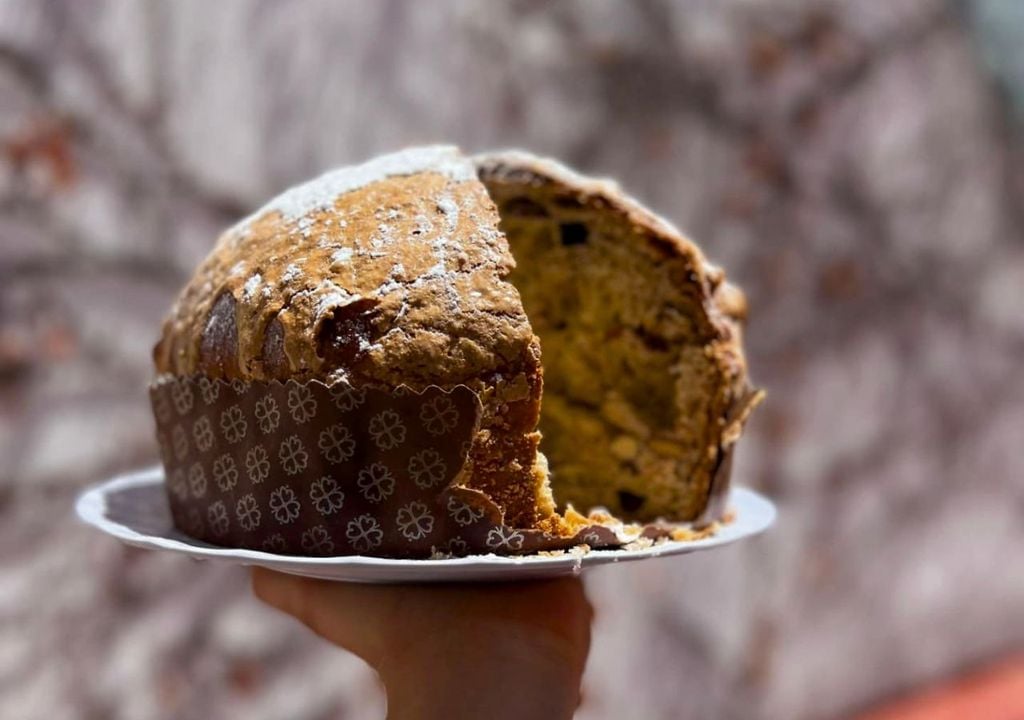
(398, 273)
(645, 382)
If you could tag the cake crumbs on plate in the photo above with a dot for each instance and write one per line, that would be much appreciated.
(641, 543)
(685, 534)
(577, 550)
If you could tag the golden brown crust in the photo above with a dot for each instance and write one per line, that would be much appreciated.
(391, 273)
(396, 281)
(396, 273)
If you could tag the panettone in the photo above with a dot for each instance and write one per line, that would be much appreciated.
(560, 303)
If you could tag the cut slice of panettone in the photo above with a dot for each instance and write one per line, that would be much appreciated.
(427, 268)
(645, 382)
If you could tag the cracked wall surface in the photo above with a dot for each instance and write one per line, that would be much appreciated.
(855, 166)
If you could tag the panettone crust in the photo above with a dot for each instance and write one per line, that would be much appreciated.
(398, 279)
(396, 273)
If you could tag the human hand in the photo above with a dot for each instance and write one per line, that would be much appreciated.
(495, 651)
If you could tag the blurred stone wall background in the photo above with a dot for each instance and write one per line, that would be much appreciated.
(854, 165)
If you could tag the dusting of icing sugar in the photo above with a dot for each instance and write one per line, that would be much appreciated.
(341, 256)
(389, 286)
(329, 301)
(321, 192)
(491, 234)
(365, 345)
(251, 285)
(392, 283)
(440, 271)
(423, 225)
(291, 272)
(305, 226)
(237, 269)
(383, 237)
(327, 297)
(436, 270)
(451, 212)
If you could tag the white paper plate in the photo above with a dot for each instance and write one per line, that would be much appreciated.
(133, 508)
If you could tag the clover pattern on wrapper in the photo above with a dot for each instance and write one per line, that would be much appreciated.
(392, 372)
(303, 468)
(368, 470)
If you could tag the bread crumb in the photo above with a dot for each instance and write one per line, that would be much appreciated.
(641, 543)
(625, 447)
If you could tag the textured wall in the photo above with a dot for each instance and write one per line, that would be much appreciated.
(850, 164)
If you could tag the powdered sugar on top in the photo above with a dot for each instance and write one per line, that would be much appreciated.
(342, 255)
(436, 270)
(321, 192)
(451, 212)
(251, 286)
(440, 271)
(394, 280)
(423, 225)
(390, 285)
(326, 296)
(330, 300)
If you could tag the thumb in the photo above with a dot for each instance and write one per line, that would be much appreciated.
(346, 614)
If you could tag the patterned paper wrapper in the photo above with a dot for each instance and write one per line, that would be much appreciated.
(303, 468)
